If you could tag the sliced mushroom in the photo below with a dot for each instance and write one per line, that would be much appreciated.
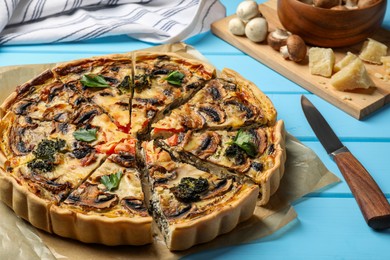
(213, 113)
(160, 175)
(58, 112)
(22, 107)
(261, 139)
(209, 143)
(26, 133)
(238, 157)
(81, 150)
(257, 166)
(151, 101)
(219, 187)
(124, 159)
(85, 114)
(89, 196)
(134, 205)
(39, 183)
(176, 209)
(243, 167)
(191, 119)
(249, 110)
(215, 89)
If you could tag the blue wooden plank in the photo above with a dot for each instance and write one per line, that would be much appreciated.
(326, 228)
(374, 128)
(373, 155)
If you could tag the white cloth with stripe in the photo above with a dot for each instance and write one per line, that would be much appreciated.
(155, 21)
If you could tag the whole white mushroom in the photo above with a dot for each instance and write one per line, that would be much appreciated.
(237, 26)
(256, 29)
(247, 10)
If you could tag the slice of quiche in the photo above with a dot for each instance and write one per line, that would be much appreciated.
(257, 153)
(229, 102)
(107, 208)
(163, 81)
(192, 206)
(106, 81)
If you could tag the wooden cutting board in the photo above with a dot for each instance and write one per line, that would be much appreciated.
(358, 103)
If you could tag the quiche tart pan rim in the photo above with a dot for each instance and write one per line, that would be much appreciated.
(24, 203)
(101, 229)
(31, 208)
(270, 180)
(185, 235)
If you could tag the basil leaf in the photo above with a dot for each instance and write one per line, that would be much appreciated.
(111, 181)
(86, 135)
(245, 141)
(175, 78)
(94, 81)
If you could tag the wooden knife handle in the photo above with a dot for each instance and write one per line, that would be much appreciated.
(370, 198)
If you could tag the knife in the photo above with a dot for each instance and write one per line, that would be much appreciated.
(370, 198)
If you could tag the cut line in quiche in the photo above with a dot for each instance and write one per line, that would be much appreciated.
(98, 149)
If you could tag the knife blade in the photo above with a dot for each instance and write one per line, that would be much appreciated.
(371, 200)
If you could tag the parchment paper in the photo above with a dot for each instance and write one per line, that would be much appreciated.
(304, 173)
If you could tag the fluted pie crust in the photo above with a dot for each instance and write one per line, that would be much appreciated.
(136, 84)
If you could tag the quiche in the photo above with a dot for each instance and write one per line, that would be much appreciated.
(99, 149)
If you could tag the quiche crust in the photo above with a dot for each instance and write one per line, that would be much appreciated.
(270, 180)
(24, 203)
(101, 229)
(223, 220)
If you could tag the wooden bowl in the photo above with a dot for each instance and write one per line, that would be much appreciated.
(330, 28)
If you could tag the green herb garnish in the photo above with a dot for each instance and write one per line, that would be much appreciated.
(246, 142)
(111, 181)
(44, 153)
(94, 81)
(86, 135)
(190, 189)
(125, 85)
(175, 78)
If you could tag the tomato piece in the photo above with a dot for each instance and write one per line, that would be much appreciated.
(128, 145)
(173, 140)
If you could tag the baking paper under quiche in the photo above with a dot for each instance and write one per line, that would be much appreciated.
(98, 149)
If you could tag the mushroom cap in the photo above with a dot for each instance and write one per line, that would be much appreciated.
(246, 10)
(278, 38)
(296, 48)
(256, 29)
(236, 26)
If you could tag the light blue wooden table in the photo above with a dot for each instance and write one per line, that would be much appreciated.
(329, 224)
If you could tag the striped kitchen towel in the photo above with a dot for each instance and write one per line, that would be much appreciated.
(156, 21)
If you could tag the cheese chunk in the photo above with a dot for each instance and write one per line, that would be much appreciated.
(344, 61)
(386, 64)
(321, 61)
(372, 51)
(353, 76)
